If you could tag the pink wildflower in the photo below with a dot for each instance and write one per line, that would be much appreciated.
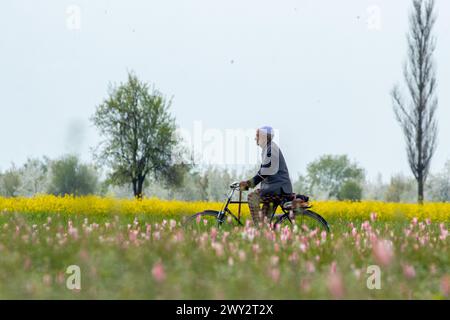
(444, 232)
(293, 257)
(310, 267)
(213, 234)
(276, 247)
(158, 272)
(333, 267)
(132, 235)
(242, 255)
(275, 274)
(366, 226)
(383, 252)
(336, 285)
(218, 247)
(445, 285)
(256, 248)
(73, 232)
(409, 271)
(274, 260)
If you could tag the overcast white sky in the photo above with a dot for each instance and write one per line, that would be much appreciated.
(319, 71)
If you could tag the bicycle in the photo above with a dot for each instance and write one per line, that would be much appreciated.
(290, 208)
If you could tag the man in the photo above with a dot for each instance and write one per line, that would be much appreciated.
(273, 176)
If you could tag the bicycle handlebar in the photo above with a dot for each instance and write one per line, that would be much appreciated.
(234, 185)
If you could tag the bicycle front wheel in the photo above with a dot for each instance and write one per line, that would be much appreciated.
(205, 219)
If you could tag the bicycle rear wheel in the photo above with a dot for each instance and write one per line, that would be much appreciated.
(305, 218)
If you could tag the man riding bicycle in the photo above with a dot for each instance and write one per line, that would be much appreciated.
(275, 190)
(273, 175)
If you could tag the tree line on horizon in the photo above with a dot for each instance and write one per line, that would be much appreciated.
(330, 177)
(141, 151)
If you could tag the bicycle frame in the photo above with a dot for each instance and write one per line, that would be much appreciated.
(226, 210)
(286, 207)
(228, 201)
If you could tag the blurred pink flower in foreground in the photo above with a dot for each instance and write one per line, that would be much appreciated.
(213, 234)
(158, 272)
(275, 274)
(218, 247)
(293, 257)
(409, 271)
(383, 251)
(445, 285)
(242, 255)
(256, 248)
(274, 260)
(73, 232)
(333, 267)
(444, 232)
(366, 226)
(133, 235)
(373, 216)
(310, 267)
(336, 285)
(47, 280)
(305, 285)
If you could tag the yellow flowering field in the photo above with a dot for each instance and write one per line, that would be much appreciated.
(130, 249)
(101, 205)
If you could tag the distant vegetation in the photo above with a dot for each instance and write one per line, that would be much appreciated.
(69, 175)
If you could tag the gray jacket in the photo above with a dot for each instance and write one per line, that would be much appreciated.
(273, 173)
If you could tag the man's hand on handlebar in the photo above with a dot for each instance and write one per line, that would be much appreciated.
(243, 185)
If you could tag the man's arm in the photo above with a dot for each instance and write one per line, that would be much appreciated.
(259, 177)
(253, 182)
(265, 169)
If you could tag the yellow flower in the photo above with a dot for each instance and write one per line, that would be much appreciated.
(104, 205)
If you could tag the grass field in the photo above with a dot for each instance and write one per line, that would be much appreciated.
(137, 250)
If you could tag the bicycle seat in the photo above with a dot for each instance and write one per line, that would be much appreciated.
(298, 201)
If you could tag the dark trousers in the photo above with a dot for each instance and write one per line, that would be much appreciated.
(270, 202)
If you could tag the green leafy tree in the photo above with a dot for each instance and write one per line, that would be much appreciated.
(350, 190)
(69, 176)
(399, 188)
(330, 172)
(208, 182)
(300, 185)
(139, 136)
(10, 182)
